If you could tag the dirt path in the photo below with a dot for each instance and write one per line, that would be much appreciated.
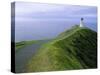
(24, 54)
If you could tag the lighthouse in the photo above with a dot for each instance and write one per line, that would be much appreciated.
(81, 22)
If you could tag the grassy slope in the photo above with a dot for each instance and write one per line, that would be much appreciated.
(76, 51)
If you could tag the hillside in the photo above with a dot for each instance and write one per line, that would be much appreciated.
(72, 49)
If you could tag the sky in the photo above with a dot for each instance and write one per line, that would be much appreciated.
(36, 21)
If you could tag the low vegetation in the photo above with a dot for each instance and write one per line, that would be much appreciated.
(73, 49)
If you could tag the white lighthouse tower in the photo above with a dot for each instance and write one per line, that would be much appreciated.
(81, 22)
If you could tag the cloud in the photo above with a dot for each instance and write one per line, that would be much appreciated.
(38, 11)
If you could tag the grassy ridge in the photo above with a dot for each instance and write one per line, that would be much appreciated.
(69, 31)
(77, 51)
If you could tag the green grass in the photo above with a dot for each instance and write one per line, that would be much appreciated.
(19, 45)
(73, 49)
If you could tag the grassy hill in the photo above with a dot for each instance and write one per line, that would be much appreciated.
(72, 49)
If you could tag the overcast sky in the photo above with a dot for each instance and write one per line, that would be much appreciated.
(38, 20)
